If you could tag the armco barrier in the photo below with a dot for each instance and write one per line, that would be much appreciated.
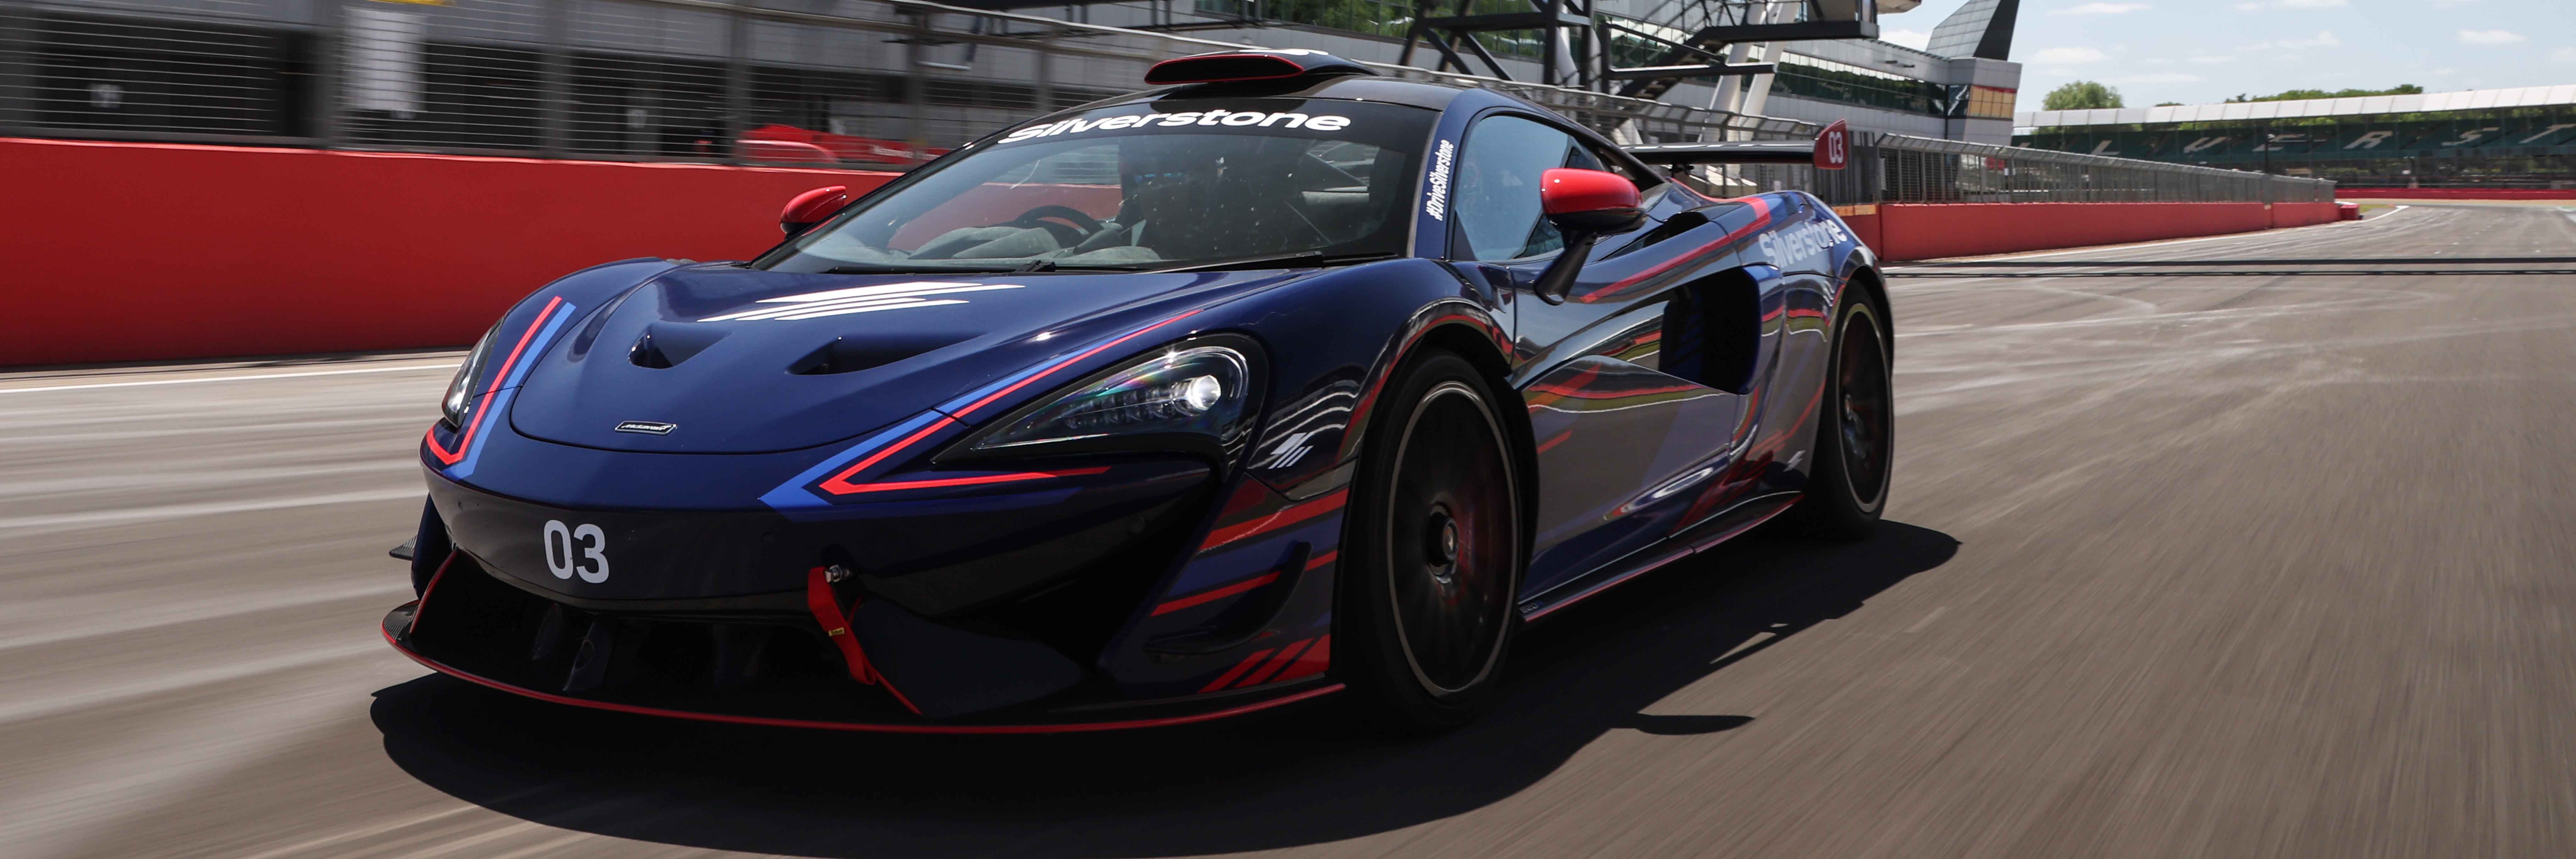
(2456, 193)
(124, 252)
(1909, 231)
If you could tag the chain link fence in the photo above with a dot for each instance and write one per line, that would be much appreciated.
(852, 83)
(1894, 168)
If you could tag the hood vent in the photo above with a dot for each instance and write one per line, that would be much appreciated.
(666, 344)
(852, 354)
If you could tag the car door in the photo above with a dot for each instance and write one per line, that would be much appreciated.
(1621, 443)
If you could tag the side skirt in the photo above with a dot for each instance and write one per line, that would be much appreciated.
(1736, 520)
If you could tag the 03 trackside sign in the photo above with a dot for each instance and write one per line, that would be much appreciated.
(1217, 118)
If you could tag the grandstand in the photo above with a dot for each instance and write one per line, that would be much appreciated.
(2524, 138)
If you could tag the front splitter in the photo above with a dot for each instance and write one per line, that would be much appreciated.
(400, 619)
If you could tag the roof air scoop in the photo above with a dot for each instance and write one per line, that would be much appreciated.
(1251, 65)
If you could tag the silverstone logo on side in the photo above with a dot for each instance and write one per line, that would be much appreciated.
(1797, 243)
(647, 427)
(1218, 117)
(1436, 202)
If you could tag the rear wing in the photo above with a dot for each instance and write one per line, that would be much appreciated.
(1830, 151)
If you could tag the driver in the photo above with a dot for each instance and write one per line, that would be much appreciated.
(1194, 196)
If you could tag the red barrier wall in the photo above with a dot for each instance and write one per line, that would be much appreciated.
(2456, 193)
(1933, 230)
(128, 252)
(124, 252)
(2304, 214)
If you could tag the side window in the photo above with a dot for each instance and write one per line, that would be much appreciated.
(1496, 194)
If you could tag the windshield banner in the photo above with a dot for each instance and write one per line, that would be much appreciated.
(1216, 117)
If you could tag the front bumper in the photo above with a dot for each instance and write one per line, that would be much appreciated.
(749, 662)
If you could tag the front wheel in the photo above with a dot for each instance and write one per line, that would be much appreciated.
(1855, 432)
(1432, 552)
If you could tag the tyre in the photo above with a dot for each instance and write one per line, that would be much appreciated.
(1432, 553)
(1855, 433)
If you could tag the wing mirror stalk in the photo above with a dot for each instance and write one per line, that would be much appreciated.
(1583, 205)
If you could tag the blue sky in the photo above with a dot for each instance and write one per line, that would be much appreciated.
(2197, 51)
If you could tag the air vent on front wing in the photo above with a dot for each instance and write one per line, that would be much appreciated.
(666, 344)
(852, 354)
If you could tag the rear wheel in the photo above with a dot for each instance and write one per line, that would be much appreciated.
(1432, 552)
(1855, 433)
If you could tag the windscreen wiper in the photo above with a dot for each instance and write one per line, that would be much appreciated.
(1302, 259)
(890, 268)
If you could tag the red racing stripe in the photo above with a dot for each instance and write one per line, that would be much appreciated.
(1284, 517)
(1312, 662)
(1286, 655)
(1236, 671)
(971, 481)
(466, 439)
(1203, 597)
(840, 483)
(1761, 218)
(1059, 365)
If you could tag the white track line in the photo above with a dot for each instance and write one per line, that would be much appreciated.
(230, 378)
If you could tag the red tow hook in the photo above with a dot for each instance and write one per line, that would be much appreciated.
(826, 607)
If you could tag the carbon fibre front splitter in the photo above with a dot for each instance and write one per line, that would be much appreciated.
(1110, 716)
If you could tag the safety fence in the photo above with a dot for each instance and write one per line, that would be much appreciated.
(1892, 168)
(830, 83)
(869, 82)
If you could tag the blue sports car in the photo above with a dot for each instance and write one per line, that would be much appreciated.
(1280, 380)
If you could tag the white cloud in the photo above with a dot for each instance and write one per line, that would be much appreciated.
(2159, 78)
(2292, 4)
(2564, 55)
(2445, 4)
(2323, 39)
(2490, 37)
(1915, 39)
(2101, 9)
(2069, 56)
(2443, 73)
(2210, 60)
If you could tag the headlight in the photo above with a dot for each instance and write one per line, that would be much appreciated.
(1189, 394)
(460, 390)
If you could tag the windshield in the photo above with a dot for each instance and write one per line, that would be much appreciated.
(1160, 185)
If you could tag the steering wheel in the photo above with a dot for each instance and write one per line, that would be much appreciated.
(1084, 226)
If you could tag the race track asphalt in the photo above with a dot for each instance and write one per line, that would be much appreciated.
(2190, 563)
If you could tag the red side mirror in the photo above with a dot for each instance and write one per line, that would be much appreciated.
(813, 207)
(1583, 204)
(1588, 200)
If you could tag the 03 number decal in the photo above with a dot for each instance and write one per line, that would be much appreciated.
(591, 564)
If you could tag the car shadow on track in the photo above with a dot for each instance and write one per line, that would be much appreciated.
(1298, 775)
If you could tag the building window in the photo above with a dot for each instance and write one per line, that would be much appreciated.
(1378, 17)
(1985, 102)
(1826, 80)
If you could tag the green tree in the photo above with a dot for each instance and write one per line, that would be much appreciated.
(2305, 94)
(2081, 95)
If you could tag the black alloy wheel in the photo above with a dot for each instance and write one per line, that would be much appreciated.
(1855, 432)
(1433, 552)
